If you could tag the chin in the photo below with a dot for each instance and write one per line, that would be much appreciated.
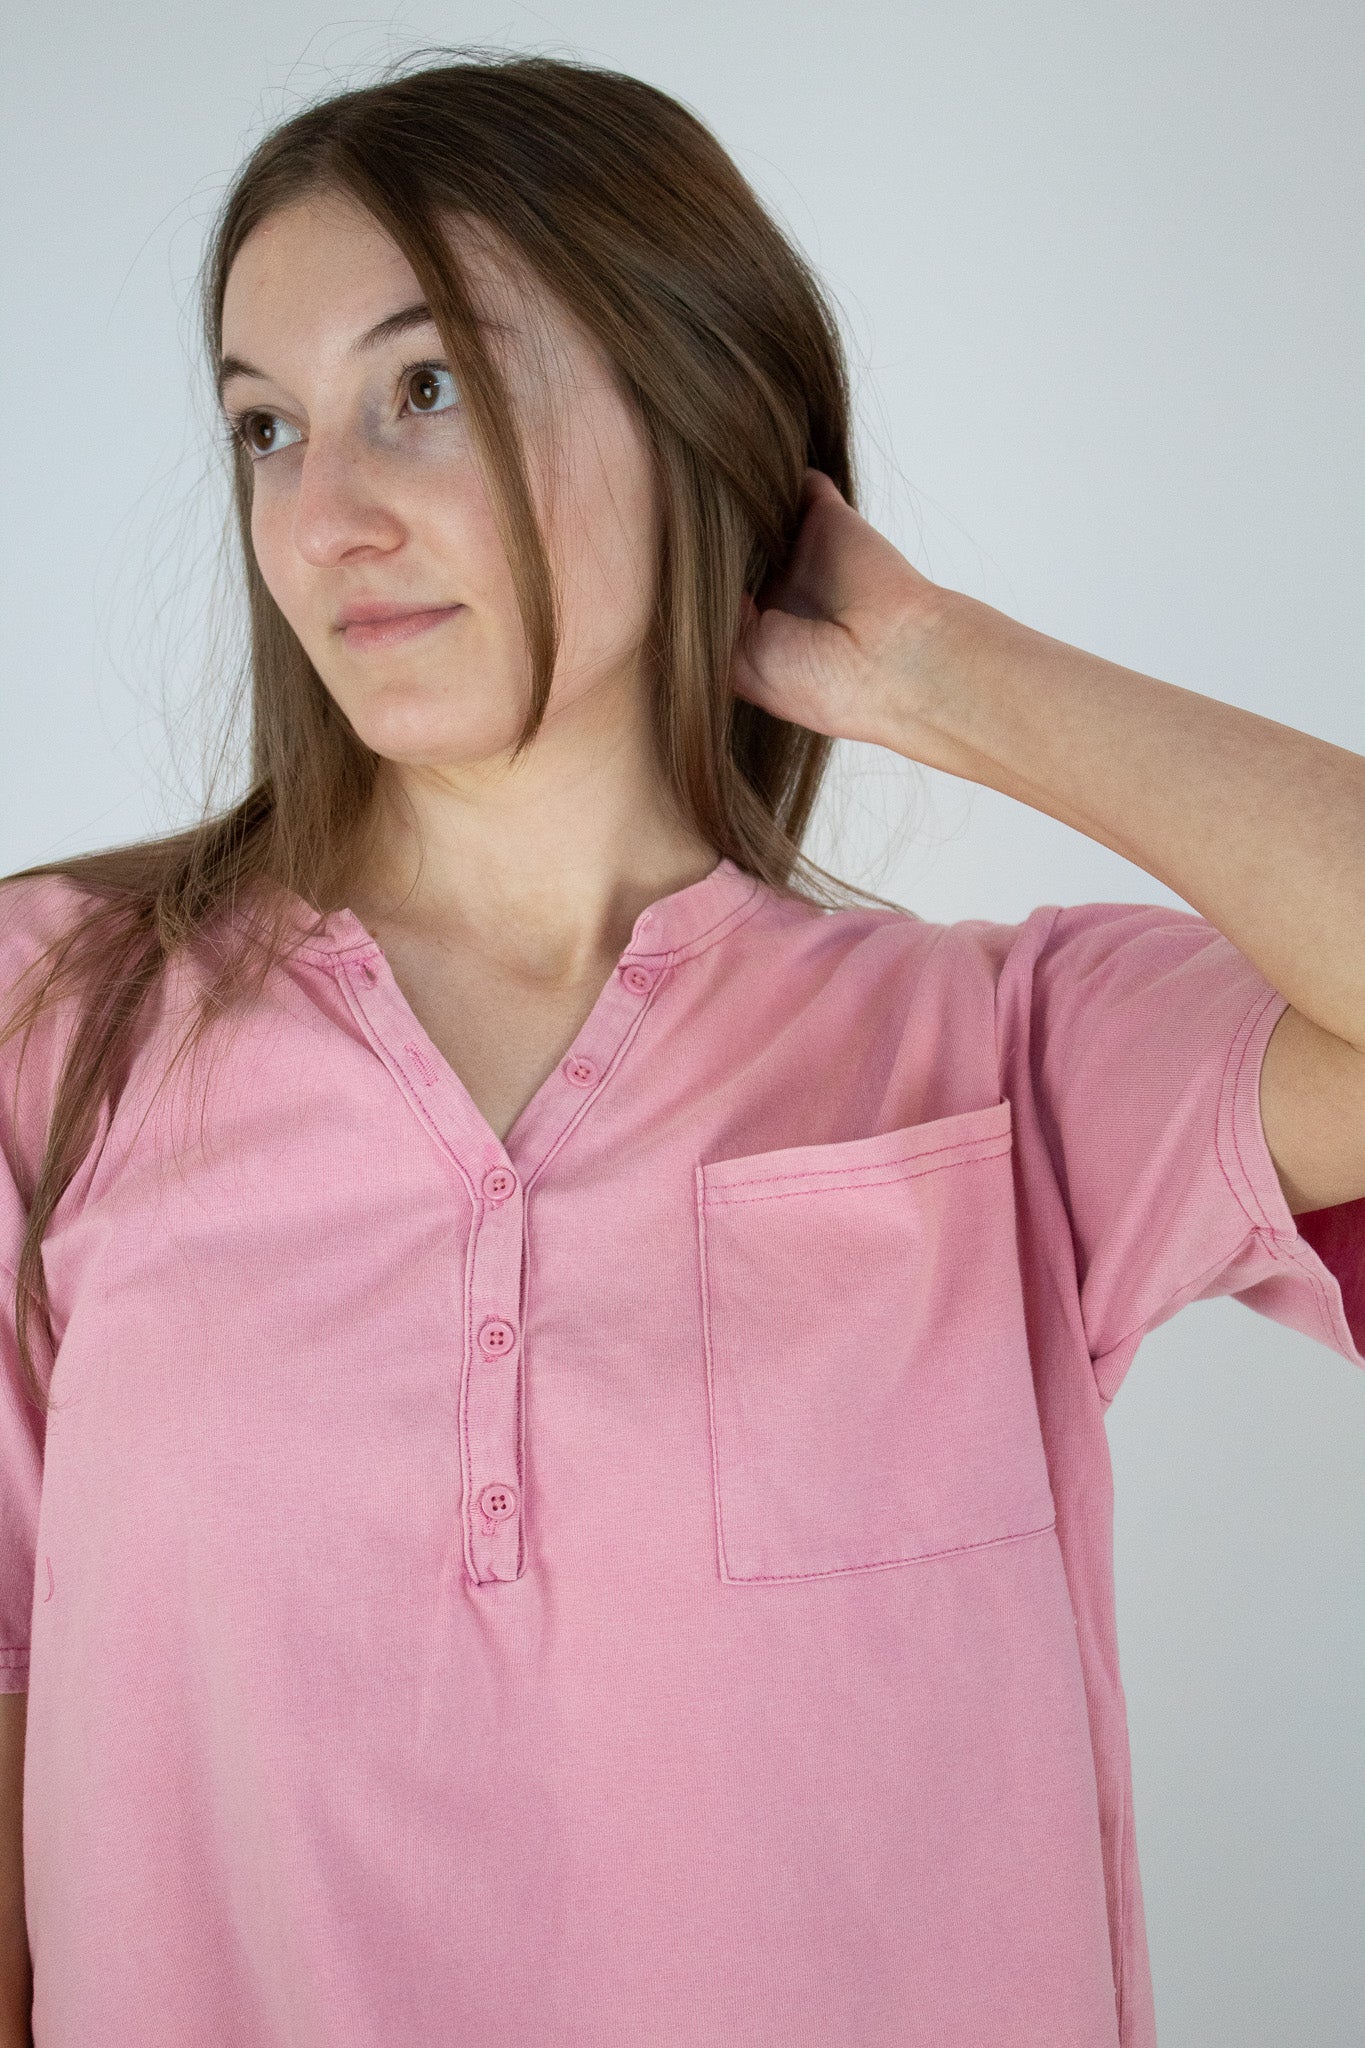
(408, 743)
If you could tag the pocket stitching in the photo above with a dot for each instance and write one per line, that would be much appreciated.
(969, 1149)
(902, 1146)
(969, 1152)
(880, 1564)
(716, 1507)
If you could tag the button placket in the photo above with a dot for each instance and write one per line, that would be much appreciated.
(491, 1387)
(493, 1366)
(495, 1354)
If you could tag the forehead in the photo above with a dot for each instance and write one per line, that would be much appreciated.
(323, 267)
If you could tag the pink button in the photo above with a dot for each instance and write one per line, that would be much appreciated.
(369, 974)
(498, 1502)
(582, 1073)
(499, 1183)
(638, 979)
(496, 1338)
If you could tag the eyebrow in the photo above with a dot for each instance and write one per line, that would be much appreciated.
(416, 315)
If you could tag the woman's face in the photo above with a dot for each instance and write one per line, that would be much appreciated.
(368, 494)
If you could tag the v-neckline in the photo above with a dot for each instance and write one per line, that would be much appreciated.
(672, 926)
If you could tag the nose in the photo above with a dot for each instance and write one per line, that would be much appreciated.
(340, 506)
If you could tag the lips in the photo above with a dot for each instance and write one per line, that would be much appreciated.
(381, 625)
(377, 613)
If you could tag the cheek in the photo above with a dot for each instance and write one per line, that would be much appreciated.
(609, 550)
(450, 521)
(269, 544)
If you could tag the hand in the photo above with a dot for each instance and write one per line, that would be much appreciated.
(850, 638)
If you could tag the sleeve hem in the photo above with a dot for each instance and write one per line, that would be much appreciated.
(1243, 1155)
(1247, 1166)
(1111, 1365)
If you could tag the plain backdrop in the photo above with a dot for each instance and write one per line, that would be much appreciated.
(1099, 268)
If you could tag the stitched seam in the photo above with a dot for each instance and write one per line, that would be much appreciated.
(1226, 1105)
(890, 1172)
(916, 1557)
(1010, 969)
(334, 957)
(466, 1367)
(323, 954)
(1229, 1099)
(590, 1095)
(1229, 1092)
(710, 1385)
(1140, 1328)
(523, 1368)
(1290, 1252)
(1235, 1104)
(814, 1172)
(1121, 1899)
(380, 1045)
(394, 1067)
(708, 937)
(1284, 1245)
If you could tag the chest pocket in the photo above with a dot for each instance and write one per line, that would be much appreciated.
(870, 1392)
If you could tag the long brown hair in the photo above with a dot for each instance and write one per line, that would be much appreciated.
(629, 209)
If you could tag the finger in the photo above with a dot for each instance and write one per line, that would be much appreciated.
(746, 682)
(820, 484)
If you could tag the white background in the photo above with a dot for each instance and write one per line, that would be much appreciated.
(1100, 273)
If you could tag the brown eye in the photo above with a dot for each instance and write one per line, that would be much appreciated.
(431, 388)
(259, 433)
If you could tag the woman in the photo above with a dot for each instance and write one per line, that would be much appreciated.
(570, 1501)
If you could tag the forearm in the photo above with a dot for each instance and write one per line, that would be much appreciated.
(1259, 827)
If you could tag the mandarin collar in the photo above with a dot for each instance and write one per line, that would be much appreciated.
(683, 922)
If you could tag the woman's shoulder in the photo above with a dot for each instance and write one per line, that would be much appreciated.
(36, 912)
(1025, 942)
(889, 929)
(1021, 970)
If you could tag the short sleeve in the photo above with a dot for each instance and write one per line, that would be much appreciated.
(31, 911)
(21, 1465)
(1145, 1031)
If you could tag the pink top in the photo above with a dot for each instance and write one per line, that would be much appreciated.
(650, 1581)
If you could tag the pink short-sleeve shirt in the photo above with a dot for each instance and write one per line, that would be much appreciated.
(648, 1581)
